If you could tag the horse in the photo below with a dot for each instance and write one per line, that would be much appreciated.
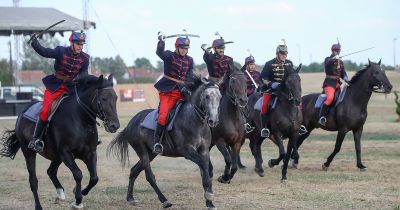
(72, 133)
(348, 115)
(228, 134)
(284, 121)
(190, 138)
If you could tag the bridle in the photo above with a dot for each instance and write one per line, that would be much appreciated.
(230, 93)
(201, 111)
(93, 113)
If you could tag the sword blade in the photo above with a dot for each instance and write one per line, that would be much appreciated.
(45, 30)
(357, 52)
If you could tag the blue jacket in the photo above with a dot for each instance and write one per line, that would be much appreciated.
(175, 66)
(217, 65)
(67, 66)
(333, 69)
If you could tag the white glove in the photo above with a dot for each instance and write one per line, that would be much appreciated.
(336, 57)
(161, 37)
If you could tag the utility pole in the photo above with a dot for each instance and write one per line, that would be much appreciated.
(394, 53)
(16, 46)
(86, 26)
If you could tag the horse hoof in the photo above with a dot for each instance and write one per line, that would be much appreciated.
(133, 202)
(284, 181)
(166, 204)
(260, 172)
(270, 164)
(76, 207)
(325, 168)
(212, 208)
(292, 164)
(242, 167)
(223, 181)
(363, 169)
(209, 196)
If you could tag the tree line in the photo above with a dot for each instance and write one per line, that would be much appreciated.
(116, 65)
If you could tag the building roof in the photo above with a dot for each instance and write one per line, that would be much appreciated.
(26, 20)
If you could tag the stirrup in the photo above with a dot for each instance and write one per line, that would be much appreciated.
(322, 121)
(158, 148)
(248, 128)
(265, 133)
(31, 144)
(39, 145)
(302, 130)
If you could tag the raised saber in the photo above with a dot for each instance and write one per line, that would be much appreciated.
(251, 78)
(45, 30)
(357, 52)
(178, 35)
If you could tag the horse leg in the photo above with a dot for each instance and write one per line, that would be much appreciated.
(202, 159)
(240, 164)
(135, 171)
(255, 146)
(339, 140)
(290, 148)
(91, 164)
(52, 172)
(152, 180)
(228, 163)
(210, 169)
(274, 162)
(357, 143)
(295, 154)
(235, 154)
(30, 159)
(69, 161)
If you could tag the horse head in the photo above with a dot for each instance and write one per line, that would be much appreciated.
(103, 100)
(235, 86)
(378, 79)
(291, 88)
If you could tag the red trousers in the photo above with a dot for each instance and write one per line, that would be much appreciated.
(265, 102)
(48, 99)
(167, 102)
(330, 94)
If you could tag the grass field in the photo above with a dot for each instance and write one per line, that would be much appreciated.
(342, 187)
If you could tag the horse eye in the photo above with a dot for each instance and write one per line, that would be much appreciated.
(207, 97)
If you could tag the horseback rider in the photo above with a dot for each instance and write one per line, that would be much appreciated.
(250, 66)
(334, 70)
(177, 67)
(217, 62)
(70, 62)
(271, 77)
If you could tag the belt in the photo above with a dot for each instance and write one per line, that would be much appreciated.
(63, 78)
(173, 79)
(214, 78)
(332, 77)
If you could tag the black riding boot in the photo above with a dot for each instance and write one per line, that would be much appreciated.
(322, 115)
(37, 143)
(158, 147)
(264, 131)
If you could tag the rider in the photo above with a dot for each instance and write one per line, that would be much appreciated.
(250, 66)
(217, 62)
(334, 70)
(271, 77)
(70, 62)
(177, 67)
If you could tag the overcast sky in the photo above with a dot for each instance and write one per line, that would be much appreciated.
(309, 27)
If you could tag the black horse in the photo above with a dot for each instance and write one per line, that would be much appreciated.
(228, 134)
(350, 114)
(284, 121)
(190, 138)
(72, 133)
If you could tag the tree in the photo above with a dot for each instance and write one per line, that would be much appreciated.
(6, 76)
(33, 61)
(115, 66)
(143, 63)
(160, 66)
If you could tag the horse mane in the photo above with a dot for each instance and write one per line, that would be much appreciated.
(91, 80)
(358, 74)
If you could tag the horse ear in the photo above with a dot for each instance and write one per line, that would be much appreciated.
(299, 68)
(369, 62)
(110, 78)
(379, 63)
(204, 80)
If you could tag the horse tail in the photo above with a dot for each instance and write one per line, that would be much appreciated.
(10, 144)
(119, 147)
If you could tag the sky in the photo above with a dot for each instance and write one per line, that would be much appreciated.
(309, 27)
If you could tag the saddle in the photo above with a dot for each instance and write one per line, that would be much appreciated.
(338, 98)
(150, 121)
(271, 105)
(32, 113)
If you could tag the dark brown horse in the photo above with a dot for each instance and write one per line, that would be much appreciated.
(350, 114)
(72, 134)
(228, 134)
